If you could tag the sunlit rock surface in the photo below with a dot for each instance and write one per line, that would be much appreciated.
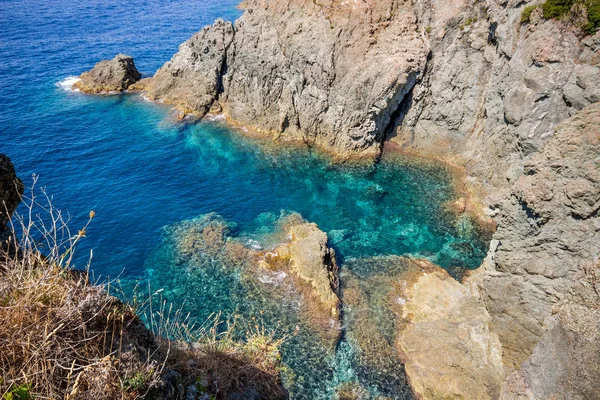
(108, 76)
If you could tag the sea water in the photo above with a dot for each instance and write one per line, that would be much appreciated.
(143, 173)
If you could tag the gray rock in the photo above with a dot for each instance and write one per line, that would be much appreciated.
(192, 79)
(543, 286)
(107, 76)
(326, 74)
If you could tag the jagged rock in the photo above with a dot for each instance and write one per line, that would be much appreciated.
(313, 262)
(107, 76)
(191, 81)
(11, 189)
(546, 262)
(445, 337)
(489, 102)
(327, 73)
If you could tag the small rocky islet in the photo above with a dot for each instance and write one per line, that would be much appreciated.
(511, 101)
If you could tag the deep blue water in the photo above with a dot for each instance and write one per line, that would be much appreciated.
(140, 171)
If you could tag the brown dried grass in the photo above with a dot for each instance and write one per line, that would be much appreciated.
(62, 337)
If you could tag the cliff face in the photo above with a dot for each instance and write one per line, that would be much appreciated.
(542, 286)
(460, 79)
(494, 88)
(327, 73)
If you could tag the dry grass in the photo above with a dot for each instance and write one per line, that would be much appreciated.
(64, 338)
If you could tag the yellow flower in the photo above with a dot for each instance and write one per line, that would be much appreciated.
(92, 214)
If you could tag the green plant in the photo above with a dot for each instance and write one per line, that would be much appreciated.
(556, 8)
(428, 29)
(470, 21)
(138, 382)
(19, 392)
(593, 15)
(526, 14)
(109, 353)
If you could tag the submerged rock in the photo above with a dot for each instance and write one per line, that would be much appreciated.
(107, 76)
(369, 287)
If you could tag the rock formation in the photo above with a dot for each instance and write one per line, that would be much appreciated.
(541, 288)
(460, 356)
(107, 76)
(331, 74)
(313, 262)
(11, 189)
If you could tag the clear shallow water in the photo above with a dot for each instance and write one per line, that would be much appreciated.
(140, 171)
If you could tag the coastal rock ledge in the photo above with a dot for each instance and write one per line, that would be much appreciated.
(108, 76)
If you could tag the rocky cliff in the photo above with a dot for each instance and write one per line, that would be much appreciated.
(463, 79)
(328, 74)
(11, 189)
(497, 86)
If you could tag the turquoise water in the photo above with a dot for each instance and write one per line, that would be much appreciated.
(144, 173)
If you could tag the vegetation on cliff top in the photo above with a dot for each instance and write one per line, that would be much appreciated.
(63, 337)
(557, 9)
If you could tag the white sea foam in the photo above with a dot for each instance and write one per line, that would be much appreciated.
(400, 301)
(254, 244)
(68, 82)
(274, 278)
(217, 117)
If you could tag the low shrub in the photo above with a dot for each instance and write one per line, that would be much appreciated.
(526, 14)
(593, 15)
(62, 337)
(556, 8)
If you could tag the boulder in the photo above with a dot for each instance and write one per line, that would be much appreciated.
(313, 262)
(108, 76)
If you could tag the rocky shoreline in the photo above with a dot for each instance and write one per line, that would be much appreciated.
(511, 101)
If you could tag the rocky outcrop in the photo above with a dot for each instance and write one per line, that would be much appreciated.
(108, 76)
(542, 288)
(325, 73)
(525, 325)
(191, 81)
(459, 79)
(306, 254)
(461, 357)
(495, 88)
(11, 189)
(313, 262)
